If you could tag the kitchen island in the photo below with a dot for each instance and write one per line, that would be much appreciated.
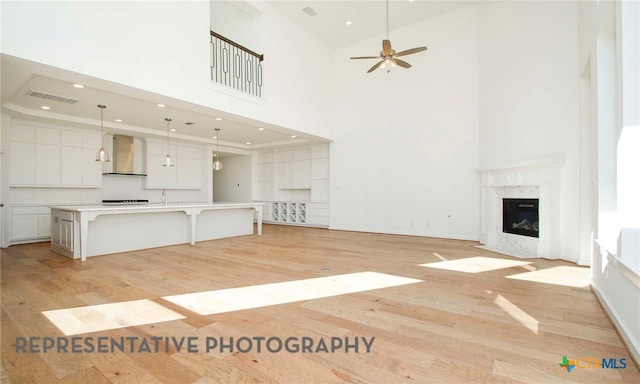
(91, 230)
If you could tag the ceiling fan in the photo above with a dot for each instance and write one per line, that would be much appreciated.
(388, 56)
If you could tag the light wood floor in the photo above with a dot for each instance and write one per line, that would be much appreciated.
(453, 327)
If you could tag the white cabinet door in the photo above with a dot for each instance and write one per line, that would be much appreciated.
(154, 171)
(71, 163)
(66, 235)
(77, 161)
(91, 172)
(56, 232)
(62, 235)
(44, 225)
(189, 173)
(303, 174)
(159, 176)
(186, 172)
(286, 174)
(47, 164)
(189, 167)
(48, 136)
(24, 227)
(22, 163)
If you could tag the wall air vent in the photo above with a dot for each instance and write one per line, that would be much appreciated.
(49, 96)
(309, 11)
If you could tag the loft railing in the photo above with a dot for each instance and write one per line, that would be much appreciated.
(235, 66)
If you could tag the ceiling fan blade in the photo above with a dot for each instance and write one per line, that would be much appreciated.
(379, 63)
(386, 47)
(411, 51)
(402, 63)
(366, 57)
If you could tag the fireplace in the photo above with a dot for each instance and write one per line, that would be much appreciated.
(520, 217)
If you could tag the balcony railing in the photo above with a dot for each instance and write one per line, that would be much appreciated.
(235, 66)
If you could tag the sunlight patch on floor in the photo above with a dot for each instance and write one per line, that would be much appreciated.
(475, 264)
(256, 296)
(94, 318)
(514, 311)
(439, 256)
(567, 276)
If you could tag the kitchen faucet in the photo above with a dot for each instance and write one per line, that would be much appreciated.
(165, 198)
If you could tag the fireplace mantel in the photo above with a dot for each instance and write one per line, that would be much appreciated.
(535, 179)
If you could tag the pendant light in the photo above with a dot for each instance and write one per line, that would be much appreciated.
(217, 164)
(167, 160)
(102, 155)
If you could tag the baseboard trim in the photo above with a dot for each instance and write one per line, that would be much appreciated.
(400, 233)
(635, 354)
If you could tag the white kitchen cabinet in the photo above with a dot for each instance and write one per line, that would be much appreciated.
(71, 166)
(22, 163)
(48, 165)
(189, 169)
(185, 174)
(91, 172)
(318, 214)
(24, 227)
(189, 174)
(53, 157)
(154, 164)
(62, 231)
(48, 136)
(30, 223)
(78, 160)
(294, 169)
(302, 174)
(159, 176)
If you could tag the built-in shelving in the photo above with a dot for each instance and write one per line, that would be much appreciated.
(288, 212)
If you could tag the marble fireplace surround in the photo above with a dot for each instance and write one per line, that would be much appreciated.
(538, 179)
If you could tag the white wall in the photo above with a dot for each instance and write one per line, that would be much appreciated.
(405, 153)
(233, 182)
(528, 97)
(163, 47)
(235, 23)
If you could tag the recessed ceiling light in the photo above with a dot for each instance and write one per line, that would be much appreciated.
(215, 137)
(78, 85)
(45, 107)
(218, 118)
(215, 154)
(248, 143)
(348, 22)
(293, 136)
(118, 120)
(160, 105)
(172, 130)
(260, 129)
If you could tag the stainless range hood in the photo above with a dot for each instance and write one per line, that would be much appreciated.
(123, 156)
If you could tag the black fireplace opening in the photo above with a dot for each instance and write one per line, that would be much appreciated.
(520, 217)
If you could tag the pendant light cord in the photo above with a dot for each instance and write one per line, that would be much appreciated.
(217, 144)
(167, 120)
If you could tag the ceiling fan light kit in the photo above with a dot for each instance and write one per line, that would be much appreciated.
(388, 56)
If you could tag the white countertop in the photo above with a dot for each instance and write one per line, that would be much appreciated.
(152, 206)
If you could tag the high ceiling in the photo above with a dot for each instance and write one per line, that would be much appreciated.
(138, 110)
(367, 17)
